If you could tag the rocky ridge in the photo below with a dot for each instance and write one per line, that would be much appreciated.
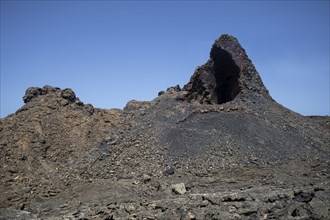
(220, 148)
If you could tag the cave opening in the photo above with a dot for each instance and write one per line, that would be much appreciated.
(226, 73)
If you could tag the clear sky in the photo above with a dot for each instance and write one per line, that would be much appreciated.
(110, 52)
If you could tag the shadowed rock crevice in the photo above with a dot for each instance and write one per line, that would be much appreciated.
(226, 76)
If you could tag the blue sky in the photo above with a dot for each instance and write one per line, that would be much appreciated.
(110, 52)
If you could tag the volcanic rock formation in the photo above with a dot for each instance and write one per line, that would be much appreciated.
(227, 74)
(220, 148)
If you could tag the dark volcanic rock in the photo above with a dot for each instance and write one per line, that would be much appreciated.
(68, 94)
(33, 92)
(227, 74)
(221, 148)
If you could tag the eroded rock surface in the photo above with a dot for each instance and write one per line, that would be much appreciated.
(227, 75)
(220, 148)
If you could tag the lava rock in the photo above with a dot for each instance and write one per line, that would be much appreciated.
(50, 89)
(179, 188)
(33, 92)
(228, 74)
(219, 149)
(174, 89)
(169, 171)
(68, 94)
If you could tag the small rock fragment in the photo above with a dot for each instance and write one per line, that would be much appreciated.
(169, 171)
(179, 188)
(146, 178)
(191, 216)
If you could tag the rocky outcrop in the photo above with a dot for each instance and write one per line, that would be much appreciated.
(67, 94)
(32, 92)
(220, 148)
(227, 75)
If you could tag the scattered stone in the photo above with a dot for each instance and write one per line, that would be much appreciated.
(191, 216)
(146, 178)
(130, 208)
(179, 188)
(304, 196)
(27, 189)
(169, 171)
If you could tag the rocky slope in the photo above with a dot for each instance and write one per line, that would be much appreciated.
(220, 148)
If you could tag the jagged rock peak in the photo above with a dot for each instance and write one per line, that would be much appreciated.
(227, 75)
